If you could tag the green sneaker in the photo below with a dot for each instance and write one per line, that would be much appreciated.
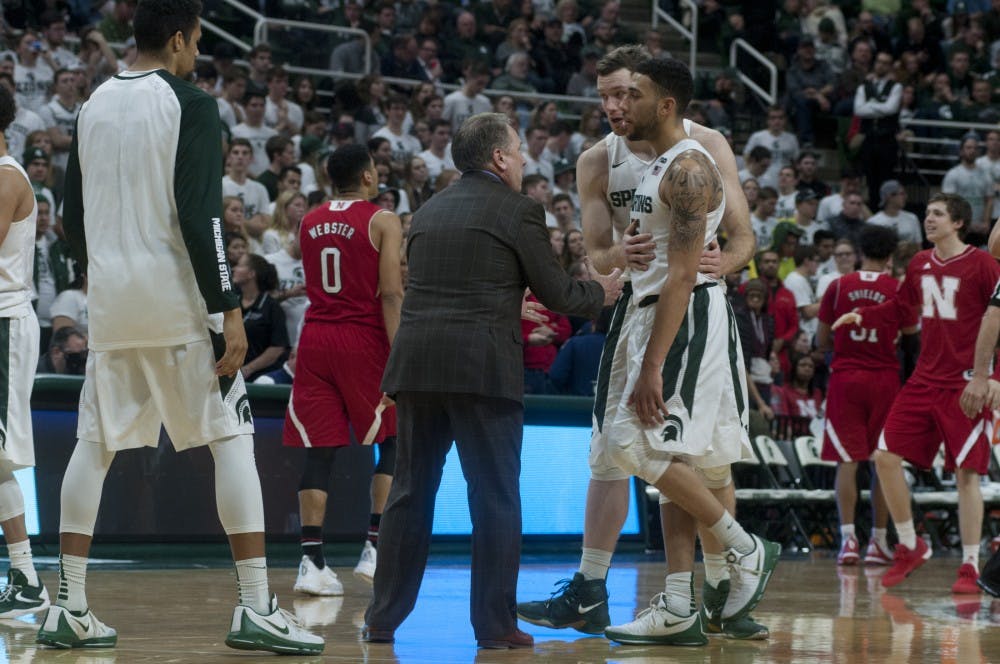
(749, 575)
(657, 625)
(64, 629)
(21, 599)
(745, 629)
(278, 631)
(713, 601)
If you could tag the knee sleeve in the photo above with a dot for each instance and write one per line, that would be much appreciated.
(316, 469)
(11, 498)
(237, 486)
(83, 482)
(386, 457)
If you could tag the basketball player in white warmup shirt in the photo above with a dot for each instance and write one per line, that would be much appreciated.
(143, 210)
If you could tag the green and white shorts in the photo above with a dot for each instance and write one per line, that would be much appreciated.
(18, 360)
(704, 389)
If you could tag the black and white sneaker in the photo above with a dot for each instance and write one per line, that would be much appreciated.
(576, 603)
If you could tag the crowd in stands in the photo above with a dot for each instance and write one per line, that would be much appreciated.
(850, 70)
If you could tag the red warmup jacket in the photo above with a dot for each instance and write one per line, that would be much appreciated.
(542, 357)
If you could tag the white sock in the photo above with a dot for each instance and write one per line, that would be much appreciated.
(881, 535)
(907, 534)
(716, 570)
(72, 583)
(680, 593)
(970, 554)
(20, 559)
(731, 534)
(846, 530)
(251, 575)
(594, 563)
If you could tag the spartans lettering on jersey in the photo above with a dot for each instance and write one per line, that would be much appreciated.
(642, 204)
(331, 228)
(621, 199)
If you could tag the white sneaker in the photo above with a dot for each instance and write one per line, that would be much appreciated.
(748, 577)
(315, 581)
(278, 631)
(62, 629)
(365, 569)
(658, 625)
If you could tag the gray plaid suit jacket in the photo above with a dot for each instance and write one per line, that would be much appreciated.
(472, 250)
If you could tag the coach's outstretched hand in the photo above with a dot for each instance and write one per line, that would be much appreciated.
(853, 318)
(236, 344)
(611, 283)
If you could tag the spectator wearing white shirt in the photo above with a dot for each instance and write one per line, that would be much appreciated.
(59, 116)
(25, 122)
(762, 218)
(990, 164)
(284, 116)
(253, 194)
(846, 259)
(403, 145)
(784, 146)
(799, 283)
(971, 183)
(534, 149)
(758, 163)
(437, 156)
(877, 102)
(806, 202)
(537, 187)
(788, 188)
(254, 130)
(892, 215)
(468, 100)
(70, 309)
(33, 72)
(830, 206)
(234, 88)
(54, 33)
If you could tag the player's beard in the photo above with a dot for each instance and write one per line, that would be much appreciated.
(642, 129)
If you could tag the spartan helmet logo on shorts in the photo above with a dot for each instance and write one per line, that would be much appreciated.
(243, 410)
(673, 429)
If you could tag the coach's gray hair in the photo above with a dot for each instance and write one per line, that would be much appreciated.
(476, 140)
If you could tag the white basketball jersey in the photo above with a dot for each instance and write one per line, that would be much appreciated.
(625, 169)
(17, 254)
(654, 218)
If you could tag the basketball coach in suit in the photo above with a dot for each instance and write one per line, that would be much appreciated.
(456, 373)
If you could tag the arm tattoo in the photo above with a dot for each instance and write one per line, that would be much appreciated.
(692, 187)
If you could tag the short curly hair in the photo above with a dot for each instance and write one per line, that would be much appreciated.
(8, 108)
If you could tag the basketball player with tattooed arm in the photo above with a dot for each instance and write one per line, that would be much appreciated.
(608, 175)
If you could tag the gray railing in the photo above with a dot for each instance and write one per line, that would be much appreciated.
(921, 149)
(690, 34)
(771, 94)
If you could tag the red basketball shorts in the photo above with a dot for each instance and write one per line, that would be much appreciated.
(923, 417)
(338, 373)
(857, 403)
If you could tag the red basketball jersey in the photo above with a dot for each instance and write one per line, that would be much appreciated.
(868, 348)
(341, 264)
(951, 297)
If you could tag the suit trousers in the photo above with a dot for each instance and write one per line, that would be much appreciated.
(487, 432)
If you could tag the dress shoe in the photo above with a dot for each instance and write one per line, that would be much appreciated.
(516, 639)
(374, 635)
